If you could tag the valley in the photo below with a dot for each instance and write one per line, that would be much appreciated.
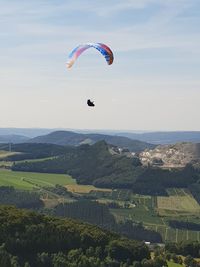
(153, 212)
(113, 177)
(107, 186)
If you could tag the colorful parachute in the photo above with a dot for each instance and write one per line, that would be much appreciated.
(104, 49)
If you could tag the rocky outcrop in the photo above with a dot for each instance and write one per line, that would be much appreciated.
(171, 156)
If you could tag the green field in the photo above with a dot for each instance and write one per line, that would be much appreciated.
(30, 180)
(8, 164)
(153, 212)
(179, 200)
(4, 153)
(85, 189)
(138, 214)
(173, 264)
(180, 205)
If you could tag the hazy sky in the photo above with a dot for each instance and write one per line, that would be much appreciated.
(153, 84)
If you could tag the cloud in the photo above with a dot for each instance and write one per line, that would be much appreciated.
(30, 34)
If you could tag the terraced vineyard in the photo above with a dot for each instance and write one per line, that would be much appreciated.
(141, 209)
(149, 211)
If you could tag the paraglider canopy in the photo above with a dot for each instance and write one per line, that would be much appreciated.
(102, 48)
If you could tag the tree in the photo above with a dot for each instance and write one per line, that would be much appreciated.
(123, 249)
(44, 259)
(136, 264)
(15, 262)
(147, 263)
(175, 258)
(159, 261)
(168, 256)
(190, 262)
(59, 260)
(4, 257)
(180, 261)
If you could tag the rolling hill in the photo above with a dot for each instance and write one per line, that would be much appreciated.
(98, 165)
(75, 139)
(13, 138)
(87, 163)
(32, 151)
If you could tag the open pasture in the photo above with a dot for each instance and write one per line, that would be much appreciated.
(85, 189)
(30, 180)
(8, 164)
(5, 164)
(4, 153)
(173, 264)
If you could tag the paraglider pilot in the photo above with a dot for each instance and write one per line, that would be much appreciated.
(90, 103)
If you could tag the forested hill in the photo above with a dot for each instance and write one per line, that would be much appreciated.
(96, 165)
(30, 239)
(33, 151)
(87, 163)
(74, 139)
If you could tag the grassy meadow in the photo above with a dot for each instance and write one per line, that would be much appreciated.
(4, 153)
(173, 264)
(84, 189)
(30, 180)
(179, 200)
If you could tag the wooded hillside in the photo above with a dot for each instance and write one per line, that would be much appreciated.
(31, 239)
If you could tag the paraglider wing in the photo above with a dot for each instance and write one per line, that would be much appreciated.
(102, 48)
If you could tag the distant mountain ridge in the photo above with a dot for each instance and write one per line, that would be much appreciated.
(13, 138)
(75, 139)
(29, 132)
(153, 137)
(164, 137)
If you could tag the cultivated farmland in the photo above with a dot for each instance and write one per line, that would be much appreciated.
(179, 200)
(154, 213)
(4, 153)
(83, 189)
